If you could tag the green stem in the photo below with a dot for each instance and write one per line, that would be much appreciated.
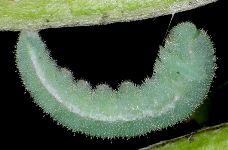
(40, 14)
(210, 138)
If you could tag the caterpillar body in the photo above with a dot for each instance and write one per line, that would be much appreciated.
(182, 76)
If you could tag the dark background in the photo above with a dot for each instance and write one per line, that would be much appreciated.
(110, 54)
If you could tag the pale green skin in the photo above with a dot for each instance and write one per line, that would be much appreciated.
(18, 15)
(181, 80)
(212, 138)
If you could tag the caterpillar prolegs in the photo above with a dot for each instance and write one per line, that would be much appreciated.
(183, 72)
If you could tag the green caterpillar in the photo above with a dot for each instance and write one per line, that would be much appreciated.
(182, 76)
(19, 15)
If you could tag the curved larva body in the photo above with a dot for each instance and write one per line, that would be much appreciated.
(39, 14)
(182, 76)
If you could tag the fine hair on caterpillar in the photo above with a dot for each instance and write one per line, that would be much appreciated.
(182, 76)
